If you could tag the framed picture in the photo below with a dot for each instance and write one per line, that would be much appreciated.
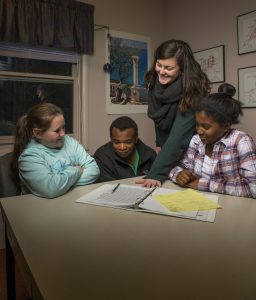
(246, 32)
(128, 56)
(212, 62)
(247, 86)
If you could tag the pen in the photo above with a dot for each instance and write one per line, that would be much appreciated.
(115, 188)
(136, 205)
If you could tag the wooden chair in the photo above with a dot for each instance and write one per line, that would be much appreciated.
(9, 188)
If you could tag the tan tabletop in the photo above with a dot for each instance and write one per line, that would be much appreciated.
(79, 251)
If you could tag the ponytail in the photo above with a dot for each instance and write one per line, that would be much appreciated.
(22, 137)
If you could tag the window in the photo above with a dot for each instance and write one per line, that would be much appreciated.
(29, 76)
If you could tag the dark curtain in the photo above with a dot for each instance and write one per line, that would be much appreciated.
(63, 24)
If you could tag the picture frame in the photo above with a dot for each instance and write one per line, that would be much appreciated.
(247, 86)
(246, 32)
(212, 62)
(129, 56)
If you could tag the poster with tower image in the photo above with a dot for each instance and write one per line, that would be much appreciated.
(128, 61)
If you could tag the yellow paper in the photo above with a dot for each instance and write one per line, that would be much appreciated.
(188, 200)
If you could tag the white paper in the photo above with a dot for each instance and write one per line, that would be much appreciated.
(126, 196)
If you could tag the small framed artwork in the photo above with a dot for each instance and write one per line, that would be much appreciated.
(247, 86)
(212, 62)
(246, 32)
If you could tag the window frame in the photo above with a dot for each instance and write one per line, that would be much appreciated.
(78, 69)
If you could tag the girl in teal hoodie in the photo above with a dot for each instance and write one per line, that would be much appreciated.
(46, 161)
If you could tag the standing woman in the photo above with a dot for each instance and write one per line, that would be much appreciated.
(176, 83)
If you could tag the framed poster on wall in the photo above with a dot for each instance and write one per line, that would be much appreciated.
(247, 86)
(246, 32)
(212, 62)
(129, 57)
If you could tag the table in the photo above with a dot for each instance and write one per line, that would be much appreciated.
(71, 250)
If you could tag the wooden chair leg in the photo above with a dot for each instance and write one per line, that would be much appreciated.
(10, 271)
(20, 290)
(3, 284)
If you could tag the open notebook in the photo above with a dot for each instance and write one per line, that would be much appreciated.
(144, 200)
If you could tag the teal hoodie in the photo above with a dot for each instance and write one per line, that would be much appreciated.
(48, 172)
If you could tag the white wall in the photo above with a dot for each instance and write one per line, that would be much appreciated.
(205, 24)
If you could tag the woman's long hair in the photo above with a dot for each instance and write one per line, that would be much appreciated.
(195, 83)
(40, 116)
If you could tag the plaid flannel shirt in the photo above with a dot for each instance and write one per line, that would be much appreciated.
(233, 164)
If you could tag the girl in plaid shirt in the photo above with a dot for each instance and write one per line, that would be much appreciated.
(219, 158)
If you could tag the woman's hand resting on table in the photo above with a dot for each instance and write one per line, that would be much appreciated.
(147, 182)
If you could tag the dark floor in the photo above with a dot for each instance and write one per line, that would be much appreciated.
(21, 292)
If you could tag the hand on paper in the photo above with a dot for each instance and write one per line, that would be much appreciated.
(147, 182)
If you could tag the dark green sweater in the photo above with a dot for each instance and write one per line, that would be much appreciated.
(173, 144)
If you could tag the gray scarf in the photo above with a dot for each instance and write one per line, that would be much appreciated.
(163, 102)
